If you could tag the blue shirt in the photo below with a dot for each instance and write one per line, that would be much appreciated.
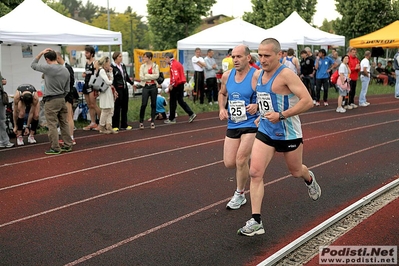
(324, 65)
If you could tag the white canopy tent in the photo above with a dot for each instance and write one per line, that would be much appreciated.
(35, 23)
(297, 30)
(227, 35)
(223, 37)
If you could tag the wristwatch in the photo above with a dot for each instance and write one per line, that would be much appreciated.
(281, 117)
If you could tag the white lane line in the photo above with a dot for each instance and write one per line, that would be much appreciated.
(106, 194)
(181, 148)
(108, 164)
(154, 229)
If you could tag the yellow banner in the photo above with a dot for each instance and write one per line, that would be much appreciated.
(158, 58)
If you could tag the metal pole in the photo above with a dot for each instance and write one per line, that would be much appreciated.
(109, 27)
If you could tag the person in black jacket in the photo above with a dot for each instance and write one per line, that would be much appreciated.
(121, 78)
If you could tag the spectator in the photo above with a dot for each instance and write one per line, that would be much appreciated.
(282, 97)
(149, 72)
(291, 61)
(4, 138)
(56, 78)
(88, 92)
(365, 78)
(396, 68)
(307, 73)
(210, 74)
(227, 62)
(107, 97)
(354, 66)
(377, 75)
(337, 61)
(283, 55)
(199, 78)
(69, 98)
(343, 83)
(236, 92)
(161, 103)
(26, 98)
(176, 90)
(121, 78)
(323, 65)
(254, 60)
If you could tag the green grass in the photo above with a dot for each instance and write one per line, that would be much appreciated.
(135, 104)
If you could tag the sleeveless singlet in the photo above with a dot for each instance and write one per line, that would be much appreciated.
(268, 101)
(288, 63)
(239, 96)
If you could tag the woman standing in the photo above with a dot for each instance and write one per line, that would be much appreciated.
(149, 72)
(343, 83)
(121, 78)
(106, 98)
(4, 138)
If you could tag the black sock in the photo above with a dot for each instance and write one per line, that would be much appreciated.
(309, 182)
(256, 217)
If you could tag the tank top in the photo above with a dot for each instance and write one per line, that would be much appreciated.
(288, 63)
(239, 96)
(268, 101)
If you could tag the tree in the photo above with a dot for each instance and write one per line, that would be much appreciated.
(72, 6)
(7, 6)
(172, 20)
(88, 11)
(363, 16)
(58, 6)
(269, 13)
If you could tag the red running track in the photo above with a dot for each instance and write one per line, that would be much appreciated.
(157, 197)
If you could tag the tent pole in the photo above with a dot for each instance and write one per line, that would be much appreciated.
(109, 26)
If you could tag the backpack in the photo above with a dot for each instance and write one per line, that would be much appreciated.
(395, 62)
(334, 77)
(288, 63)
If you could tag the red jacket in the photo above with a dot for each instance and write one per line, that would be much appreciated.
(177, 76)
(353, 61)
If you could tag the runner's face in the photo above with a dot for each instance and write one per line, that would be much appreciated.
(269, 60)
(240, 60)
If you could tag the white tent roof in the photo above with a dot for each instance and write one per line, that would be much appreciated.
(228, 35)
(295, 29)
(36, 23)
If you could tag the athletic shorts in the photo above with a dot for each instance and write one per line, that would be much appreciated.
(236, 133)
(87, 90)
(279, 145)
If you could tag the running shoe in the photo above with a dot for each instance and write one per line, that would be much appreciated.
(31, 139)
(66, 149)
(314, 189)
(20, 141)
(8, 145)
(52, 152)
(167, 121)
(236, 201)
(251, 228)
(192, 117)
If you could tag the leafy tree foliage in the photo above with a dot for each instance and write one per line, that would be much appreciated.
(72, 5)
(88, 11)
(58, 6)
(7, 6)
(172, 20)
(364, 16)
(269, 13)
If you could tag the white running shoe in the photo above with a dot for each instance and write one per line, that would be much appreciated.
(236, 201)
(31, 139)
(20, 141)
(251, 228)
(340, 110)
(314, 189)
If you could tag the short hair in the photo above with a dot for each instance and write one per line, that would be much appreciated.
(230, 51)
(148, 55)
(367, 53)
(115, 55)
(323, 51)
(168, 55)
(307, 49)
(276, 44)
(90, 49)
(290, 52)
(50, 55)
(27, 99)
(343, 57)
(304, 52)
(197, 49)
(210, 50)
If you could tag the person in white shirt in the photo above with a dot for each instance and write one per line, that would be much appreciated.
(365, 78)
(199, 78)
